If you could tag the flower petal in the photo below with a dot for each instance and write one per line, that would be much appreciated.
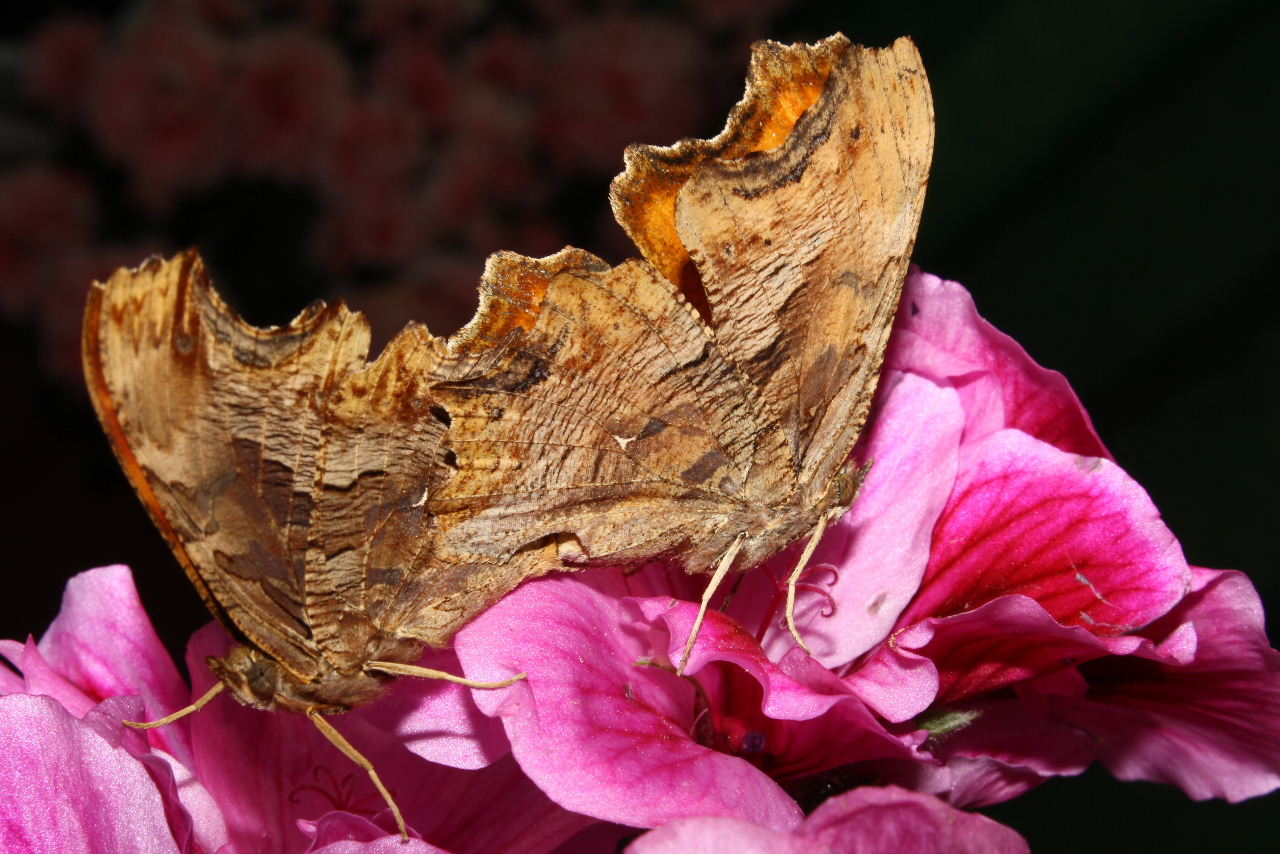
(1208, 726)
(1075, 534)
(102, 642)
(889, 819)
(599, 731)
(344, 833)
(879, 550)
(67, 789)
(1006, 641)
(718, 834)
(1008, 749)
(939, 335)
(435, 719)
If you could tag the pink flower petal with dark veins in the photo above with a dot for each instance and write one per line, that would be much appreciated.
(1076, 534)
(66, 788)
(601, 732)
(1208, 726)
(804, 718)
(1006, 750)
(1003, 642)
(939, 335)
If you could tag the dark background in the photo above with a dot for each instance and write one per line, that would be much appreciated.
(1105, 184)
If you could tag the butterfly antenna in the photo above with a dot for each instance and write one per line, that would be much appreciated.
(336, 739)
(181, 713)
(799, 570)
(397, 669)
(722, 569)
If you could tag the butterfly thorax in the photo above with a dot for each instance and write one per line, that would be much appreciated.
(768, 530)
(258, 680)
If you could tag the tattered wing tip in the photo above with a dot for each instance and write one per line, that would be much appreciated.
(782, 82)
(512, 287)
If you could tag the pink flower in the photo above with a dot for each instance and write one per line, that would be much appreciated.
(865, 821)
(231, 778)
(1002, 604)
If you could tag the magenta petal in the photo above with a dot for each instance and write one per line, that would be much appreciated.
(1075, 534)
(599, 731)
(102, 641)
(897, 683)
(39, 677)
(1008, 749)
(1208, 727)
(888, 819)
(344, 833)
(939, 335)
(1004, 642)
(867, 820)
(437, 720)
(67, 789)
(720, 834)
(722, 639)
(879, 550)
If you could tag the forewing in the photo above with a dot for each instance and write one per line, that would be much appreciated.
(802, 249)
(591, 407)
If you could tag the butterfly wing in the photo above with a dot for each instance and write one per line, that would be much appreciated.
(800, 246)
(662, 408)
(593, 415)
(285, 471)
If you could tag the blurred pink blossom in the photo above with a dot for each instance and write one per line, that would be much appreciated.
(1002, 604)
(288, 94)
(158, 107)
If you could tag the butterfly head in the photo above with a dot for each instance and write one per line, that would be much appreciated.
(256, 679)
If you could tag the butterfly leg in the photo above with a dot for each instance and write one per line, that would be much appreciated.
(181, 713)
(397, 669)
(336, 739)
(799, 570)
(722, 569)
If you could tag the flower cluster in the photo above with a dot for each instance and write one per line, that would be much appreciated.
(384, 147)
(1001, 605)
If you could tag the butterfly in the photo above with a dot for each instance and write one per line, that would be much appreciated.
(699, 405)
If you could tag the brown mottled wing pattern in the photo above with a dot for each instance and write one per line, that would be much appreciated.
(801, 249)
(267, 455)
(660, 408)
(584, 396)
